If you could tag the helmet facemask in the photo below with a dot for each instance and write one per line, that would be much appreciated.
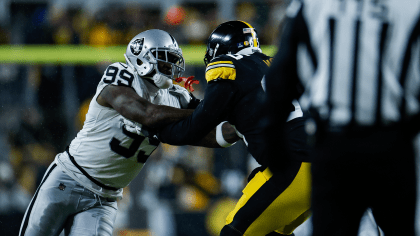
(170, 62)
(169, 66)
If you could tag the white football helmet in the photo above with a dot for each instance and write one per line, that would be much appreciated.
(146, 49)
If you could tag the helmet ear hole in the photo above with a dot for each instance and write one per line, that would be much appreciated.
(139, 62)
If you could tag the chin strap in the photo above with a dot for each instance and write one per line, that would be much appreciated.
(188, 82)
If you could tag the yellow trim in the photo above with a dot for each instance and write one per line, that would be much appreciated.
(253, 33)
(267, 173)
(219, 62)
(221, 72)
(289, 210)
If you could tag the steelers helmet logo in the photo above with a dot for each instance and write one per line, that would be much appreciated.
(136, 46)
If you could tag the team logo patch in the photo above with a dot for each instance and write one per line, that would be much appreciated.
(246, 43)
(136, 46)
(247, 30)
(240, 45)
(61, 186)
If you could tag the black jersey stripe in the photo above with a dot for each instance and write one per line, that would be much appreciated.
(355, 70)
(378, 115)
(264, 196)
(87, 175)
(306, 38)
(331, 24)
(31, 204)
(406, 62)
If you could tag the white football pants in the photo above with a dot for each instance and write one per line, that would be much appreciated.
(60, 203)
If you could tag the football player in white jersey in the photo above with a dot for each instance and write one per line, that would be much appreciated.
(79, 190)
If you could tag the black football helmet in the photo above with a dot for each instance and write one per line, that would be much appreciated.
(229, 38)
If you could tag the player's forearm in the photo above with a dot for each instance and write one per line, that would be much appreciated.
(130, 105)
(229, 133)
(153, 116)
(210, 140)
(160, 116)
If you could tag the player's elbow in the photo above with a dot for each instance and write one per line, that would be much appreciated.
(131, 109)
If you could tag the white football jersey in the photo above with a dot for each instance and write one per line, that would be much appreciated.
(104, 149)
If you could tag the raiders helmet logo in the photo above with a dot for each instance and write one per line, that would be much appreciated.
(136, 46)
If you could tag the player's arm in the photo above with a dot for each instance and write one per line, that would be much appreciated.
(130, 105)
(212, 110)
(282, 79)
(224, 135)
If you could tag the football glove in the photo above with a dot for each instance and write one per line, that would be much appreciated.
(139, 129)
(194, 102)
(132, 127)
(188, 82)
(182, 94)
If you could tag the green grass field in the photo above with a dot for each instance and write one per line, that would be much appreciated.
(80, 54)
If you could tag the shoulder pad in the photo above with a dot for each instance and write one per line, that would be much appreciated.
(118, 74)
(123, 66)
(220, 68)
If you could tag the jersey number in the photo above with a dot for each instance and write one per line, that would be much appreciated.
(124, 78)
(131, 150)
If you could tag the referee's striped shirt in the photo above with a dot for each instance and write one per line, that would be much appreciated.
(358, 60)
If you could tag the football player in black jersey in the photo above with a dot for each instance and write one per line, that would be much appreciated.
(273, 202)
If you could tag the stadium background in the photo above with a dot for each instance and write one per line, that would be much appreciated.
(52, 55)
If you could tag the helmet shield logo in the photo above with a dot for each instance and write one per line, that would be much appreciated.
(136, 46)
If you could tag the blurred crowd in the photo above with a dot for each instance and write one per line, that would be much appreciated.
(182, 190)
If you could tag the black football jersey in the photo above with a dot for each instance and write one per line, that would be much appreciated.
(234, 94)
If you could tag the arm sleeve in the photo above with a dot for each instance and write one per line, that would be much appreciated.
(282, 78)
(281, 85)
(209, 113)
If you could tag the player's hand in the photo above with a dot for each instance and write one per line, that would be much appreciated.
(194, 102)
(182, 94)
(132, 127)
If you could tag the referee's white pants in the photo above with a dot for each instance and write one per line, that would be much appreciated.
(60, 203)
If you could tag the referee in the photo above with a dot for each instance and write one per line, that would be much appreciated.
(358, 61)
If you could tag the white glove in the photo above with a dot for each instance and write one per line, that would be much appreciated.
(182, 94)
(132, 127)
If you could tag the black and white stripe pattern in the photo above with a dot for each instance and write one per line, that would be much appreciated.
(28, 212)
(221, 64)
(367, 60)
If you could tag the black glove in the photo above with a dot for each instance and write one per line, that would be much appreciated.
(193, 102)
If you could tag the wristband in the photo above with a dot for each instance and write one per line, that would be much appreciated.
(219, 136)
(238, 133)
